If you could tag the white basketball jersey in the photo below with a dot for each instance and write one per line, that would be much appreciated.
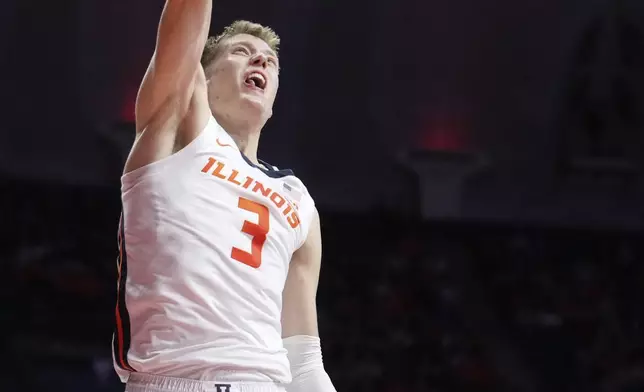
(206, 238)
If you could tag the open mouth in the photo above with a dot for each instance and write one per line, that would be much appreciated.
(256, 80)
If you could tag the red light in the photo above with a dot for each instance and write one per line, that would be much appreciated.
(442, 139)
(128, 104)
(442, 132)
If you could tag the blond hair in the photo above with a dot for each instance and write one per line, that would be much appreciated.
(213, 44)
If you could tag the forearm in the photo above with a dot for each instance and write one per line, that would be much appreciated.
(183, 30)
(307, 367)
(169, 80)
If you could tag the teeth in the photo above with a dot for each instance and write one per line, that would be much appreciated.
(258, 76)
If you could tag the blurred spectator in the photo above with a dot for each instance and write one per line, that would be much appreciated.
(404, 306)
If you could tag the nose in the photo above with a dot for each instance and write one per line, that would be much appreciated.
(259, 60)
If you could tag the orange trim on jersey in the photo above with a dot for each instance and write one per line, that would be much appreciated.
(120, 355)
(121, 343)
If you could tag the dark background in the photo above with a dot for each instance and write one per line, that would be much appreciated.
(477, 166)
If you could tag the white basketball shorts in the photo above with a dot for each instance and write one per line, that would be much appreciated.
(149, 383)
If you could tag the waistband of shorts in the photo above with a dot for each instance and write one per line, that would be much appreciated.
(141, 382)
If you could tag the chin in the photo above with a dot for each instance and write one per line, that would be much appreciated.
(254, 104)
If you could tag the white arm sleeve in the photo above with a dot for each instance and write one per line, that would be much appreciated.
(305, 356)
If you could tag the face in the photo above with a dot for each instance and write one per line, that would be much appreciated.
(243, 79)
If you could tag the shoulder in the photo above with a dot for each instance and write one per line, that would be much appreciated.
(293, 190)
(286, 175)
(293, 187)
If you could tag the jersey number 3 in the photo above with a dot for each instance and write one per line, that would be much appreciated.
(257, 231)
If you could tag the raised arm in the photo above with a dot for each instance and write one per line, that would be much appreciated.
(299, 317)
(172, 97)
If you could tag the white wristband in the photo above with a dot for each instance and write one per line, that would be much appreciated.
(307, 367)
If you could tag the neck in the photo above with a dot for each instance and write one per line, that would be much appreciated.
(248, 144)
(246, 136)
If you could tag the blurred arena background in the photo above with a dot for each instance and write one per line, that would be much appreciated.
(477, 165)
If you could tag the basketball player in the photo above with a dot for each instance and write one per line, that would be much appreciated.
(220, 252)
